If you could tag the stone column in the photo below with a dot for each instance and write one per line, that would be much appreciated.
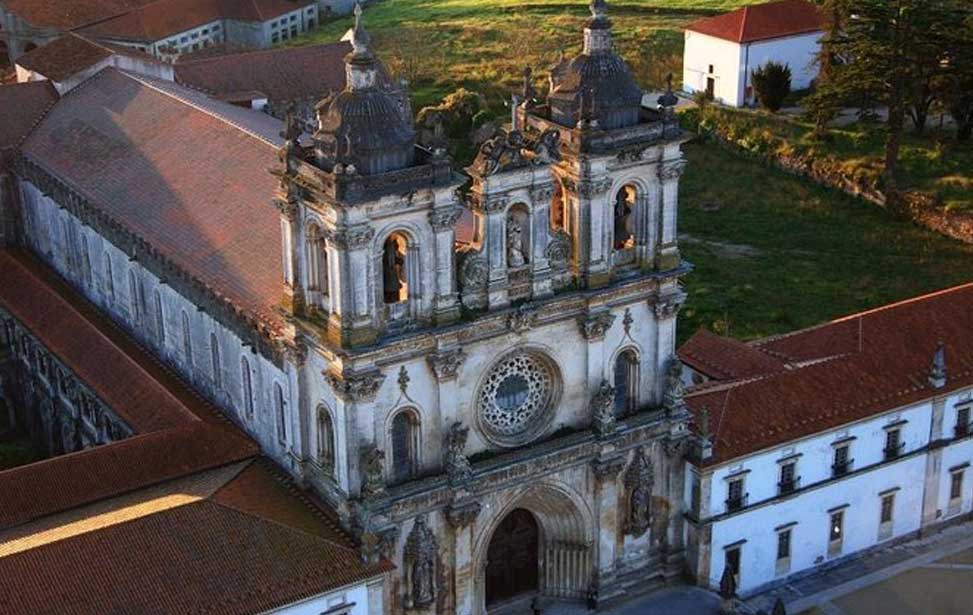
(667, 256)
(446, 305)
(352, 390)
(666, 307)
(595, 200)
(605, 470)
(934, 466)
(461, 517)
(354, 315)
(290, 229)
(647, 209)
(495, 238)
(540, 236)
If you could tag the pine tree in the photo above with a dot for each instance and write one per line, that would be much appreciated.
(772, 83)
(825, 102)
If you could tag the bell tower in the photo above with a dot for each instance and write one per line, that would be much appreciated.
(367, 214)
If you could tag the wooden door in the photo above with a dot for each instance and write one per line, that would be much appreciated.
(512, 557)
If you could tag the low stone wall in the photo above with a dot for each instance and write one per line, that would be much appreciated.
(921, 207)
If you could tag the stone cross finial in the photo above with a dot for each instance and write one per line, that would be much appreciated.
(937, 370)
(359, 37)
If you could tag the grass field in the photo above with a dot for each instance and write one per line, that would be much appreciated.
(438, 45)
(781, 253)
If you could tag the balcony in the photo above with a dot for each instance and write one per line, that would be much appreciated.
(787, 487)
(734, 504)
(894, 451)
(961, 430)
(841, 468)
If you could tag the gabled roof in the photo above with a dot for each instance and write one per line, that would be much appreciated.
(204, 190)
(282, 73)
(724, 358)
(67, 15)
(64, 56)
(758, 22)
(23, 105)
(849, 369)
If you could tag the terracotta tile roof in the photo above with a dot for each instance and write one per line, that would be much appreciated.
(283, 73)
(724, 358)
(757, 22)
(200, 557)
(23, 105)
(64, 57)
(879, 360)
(163, 18)
(204, 187)
(67, 15)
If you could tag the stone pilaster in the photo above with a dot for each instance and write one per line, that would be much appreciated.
(934, 466)
(353, 316)
(605, 471)
(667, 253)
(442, 221)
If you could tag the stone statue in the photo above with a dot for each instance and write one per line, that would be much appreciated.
(602, 409)
(458, 468)
(502, 151)
(529, 93)
(546, 148)
(515, 243)
(393, 271)
(373, 470)
(673, 399)
(623, 211)
(420, 565)
(638, 481)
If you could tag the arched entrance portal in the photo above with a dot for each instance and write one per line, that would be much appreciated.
(512, 557)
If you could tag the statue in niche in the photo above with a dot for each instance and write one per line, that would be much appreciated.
(638, 480)
(458, 468)
(420, 565)
(673, 398)
(373, 469)
(516, 253)
(393, 270)
(623, 213)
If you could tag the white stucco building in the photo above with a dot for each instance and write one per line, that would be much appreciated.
(721, 52)
(859, 435)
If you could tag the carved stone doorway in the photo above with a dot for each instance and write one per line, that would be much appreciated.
(512, 560)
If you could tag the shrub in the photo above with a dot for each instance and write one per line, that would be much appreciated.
(772, 83)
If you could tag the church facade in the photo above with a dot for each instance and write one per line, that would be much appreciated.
(500, 417)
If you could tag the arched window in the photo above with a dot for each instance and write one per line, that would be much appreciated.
(247, 384)
(317, 261)
(280, 409)
(215, 364)
(626, 382)
(326, 446)
(136, 297)
(624, 206)
(109, 280)
(405, 435)
(160, 319)
(187, 339)
(395, 282)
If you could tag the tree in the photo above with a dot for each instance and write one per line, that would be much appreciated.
(772, 83)
(824, 103)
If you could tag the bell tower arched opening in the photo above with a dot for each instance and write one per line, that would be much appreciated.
(624, 208)
(395, 284)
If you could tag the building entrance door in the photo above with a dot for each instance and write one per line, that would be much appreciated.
(710, 87)
(512, 557)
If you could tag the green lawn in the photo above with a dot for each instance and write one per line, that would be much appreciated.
(484, 45)
(781, 253)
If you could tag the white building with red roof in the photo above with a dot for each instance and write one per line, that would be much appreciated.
(721, 52)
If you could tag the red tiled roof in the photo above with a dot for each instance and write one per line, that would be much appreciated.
(204, 197)
(283, 73)
(64, 57)
(879, 361)
(724, 358)
(66, 15)
(163, 18)
(23, 105)
(758, 22)
(200, 557)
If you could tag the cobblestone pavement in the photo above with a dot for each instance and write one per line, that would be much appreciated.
(825, 589)
(680, 600)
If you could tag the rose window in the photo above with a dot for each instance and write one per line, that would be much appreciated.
(516, 396)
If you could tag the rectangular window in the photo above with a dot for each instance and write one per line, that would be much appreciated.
(893, 444)
(836, 533)
(205, 30)
(963, 421)
(956, 485)
(217, 27)
(274, 39)
(293, 30)
(842, 462)
(732, 561)
(888, 504)
(788, 479)
(783, 544)
(734, 496)
(293, 17)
